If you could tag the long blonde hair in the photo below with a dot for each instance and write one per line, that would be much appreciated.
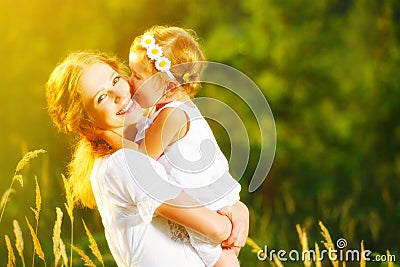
(63, 94)
(180, 46)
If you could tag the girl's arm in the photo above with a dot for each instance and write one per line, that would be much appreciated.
(199, 219)
(169, 126)
(239, 216)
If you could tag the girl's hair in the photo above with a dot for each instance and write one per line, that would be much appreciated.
(180, 46)
(65, 106)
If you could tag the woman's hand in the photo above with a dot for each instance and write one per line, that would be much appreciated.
(117, 141)
(238, 214)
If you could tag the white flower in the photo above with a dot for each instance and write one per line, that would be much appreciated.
(154, 52)
(162, 64)
(147, 41)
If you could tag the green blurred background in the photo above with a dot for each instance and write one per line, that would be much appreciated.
(329, 70)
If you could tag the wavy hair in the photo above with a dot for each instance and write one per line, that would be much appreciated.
(182, 48)
(65, 106)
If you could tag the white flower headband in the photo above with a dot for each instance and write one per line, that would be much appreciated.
(155, 52)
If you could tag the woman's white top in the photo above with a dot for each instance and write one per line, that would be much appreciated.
(136, 237)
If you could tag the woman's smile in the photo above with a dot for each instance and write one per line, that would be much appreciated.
(126, 108)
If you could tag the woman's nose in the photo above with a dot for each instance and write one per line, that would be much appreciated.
(120, 95)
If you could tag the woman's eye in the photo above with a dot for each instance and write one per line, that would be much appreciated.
(101, 98)
(115, 80)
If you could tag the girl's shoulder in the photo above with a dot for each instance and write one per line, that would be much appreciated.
(187, 106)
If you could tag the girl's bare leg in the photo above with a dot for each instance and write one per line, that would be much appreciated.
(228, 258)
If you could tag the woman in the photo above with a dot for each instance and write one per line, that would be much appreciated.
(86, 94)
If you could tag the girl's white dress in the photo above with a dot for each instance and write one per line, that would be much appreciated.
(136, 237)
(196, 164)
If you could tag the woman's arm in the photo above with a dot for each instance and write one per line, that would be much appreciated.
(199, 219)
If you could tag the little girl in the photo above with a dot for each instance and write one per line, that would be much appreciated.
(166, 62)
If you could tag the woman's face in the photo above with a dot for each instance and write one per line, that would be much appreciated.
(106, 98)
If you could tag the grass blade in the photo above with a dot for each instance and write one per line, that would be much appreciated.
(11, 256)
(57, 236)
(19, 241)
(84, 257)
(93, 245)
(36, 243)
(27, 157)
(329, 244)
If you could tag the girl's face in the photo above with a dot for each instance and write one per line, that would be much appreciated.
(106, 98)
(148, 89)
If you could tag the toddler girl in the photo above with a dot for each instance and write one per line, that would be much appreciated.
(166, 62)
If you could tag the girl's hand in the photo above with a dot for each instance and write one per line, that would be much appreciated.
(238, 214)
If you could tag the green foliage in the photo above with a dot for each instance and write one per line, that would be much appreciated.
(328, 69)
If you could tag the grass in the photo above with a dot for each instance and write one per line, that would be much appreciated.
(313, 256)
(310, 256)
(59, 248)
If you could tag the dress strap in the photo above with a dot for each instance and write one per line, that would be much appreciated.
(188, 107)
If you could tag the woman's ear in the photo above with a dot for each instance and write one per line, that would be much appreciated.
(172, 85)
